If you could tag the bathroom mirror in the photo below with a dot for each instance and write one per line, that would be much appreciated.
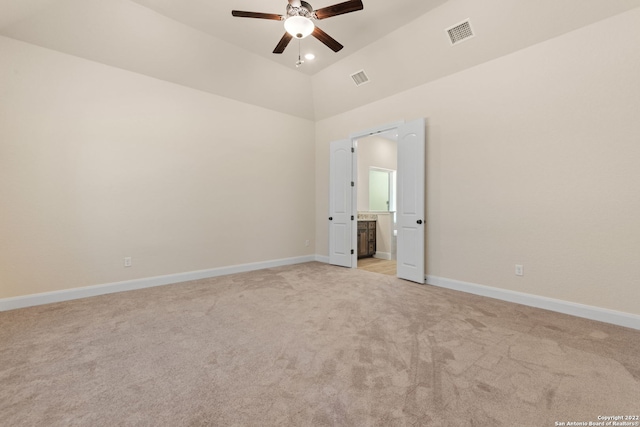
(382, 197)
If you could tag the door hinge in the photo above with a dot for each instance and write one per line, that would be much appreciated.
(352, 218)
(353, 184)
(351, 251)
(353, 150)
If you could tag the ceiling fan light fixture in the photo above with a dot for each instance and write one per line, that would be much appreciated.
(299, 26)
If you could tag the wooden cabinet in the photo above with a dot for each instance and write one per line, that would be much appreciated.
(366, 239)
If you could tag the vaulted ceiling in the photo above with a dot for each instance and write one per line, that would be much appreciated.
(197, 43)
(354, 30)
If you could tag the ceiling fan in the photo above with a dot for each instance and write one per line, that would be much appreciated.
(298, 21)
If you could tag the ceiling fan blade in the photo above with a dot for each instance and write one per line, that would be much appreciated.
(243, 14)
(325, 38)
(339, 9)
(283, 43)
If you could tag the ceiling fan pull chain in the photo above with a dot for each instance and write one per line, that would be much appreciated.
(300, 61)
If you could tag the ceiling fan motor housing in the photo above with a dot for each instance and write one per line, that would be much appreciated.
(305, 10)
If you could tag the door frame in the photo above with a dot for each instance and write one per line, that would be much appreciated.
(354, 194)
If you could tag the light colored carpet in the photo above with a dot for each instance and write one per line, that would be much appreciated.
(309, 345)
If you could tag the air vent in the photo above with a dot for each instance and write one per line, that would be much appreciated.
(360, 78)
(460, 32)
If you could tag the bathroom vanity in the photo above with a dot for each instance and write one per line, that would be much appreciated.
(366, 238)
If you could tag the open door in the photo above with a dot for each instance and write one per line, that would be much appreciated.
(410, 201)
(340, 200)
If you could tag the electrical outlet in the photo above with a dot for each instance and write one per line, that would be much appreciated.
(127, 261)
(519, 270)
(306, 242)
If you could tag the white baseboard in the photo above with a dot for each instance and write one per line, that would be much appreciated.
(580, 310)
(382, 255)
(148, 282)
(322, 258)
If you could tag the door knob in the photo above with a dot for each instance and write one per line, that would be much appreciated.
(330, 218)
(419, 221)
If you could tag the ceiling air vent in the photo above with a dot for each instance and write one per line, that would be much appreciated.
(360, 78)
(460, 32)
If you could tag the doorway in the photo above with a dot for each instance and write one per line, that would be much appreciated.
(376, 166)
(410, 210)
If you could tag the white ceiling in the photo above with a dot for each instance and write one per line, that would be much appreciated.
(12, 11)
(354, 30)
(198, 44)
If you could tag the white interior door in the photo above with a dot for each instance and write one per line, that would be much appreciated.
(340, 201)
(410, 200)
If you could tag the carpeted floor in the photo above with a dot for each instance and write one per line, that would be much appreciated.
(310, 345)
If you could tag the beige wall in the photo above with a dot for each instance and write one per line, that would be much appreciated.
(531, 159)
(384, 231)
(97, 163)
(419, 52)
